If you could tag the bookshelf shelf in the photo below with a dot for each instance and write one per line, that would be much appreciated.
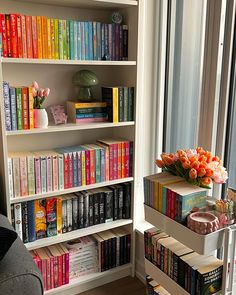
(68, 191)
(93, 280)
(96, 4)
(165, 281)
(77, 234)
(69, 127)
(202, 244)
(67, 62)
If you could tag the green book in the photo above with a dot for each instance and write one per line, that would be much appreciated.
(19, 108)
(60, 39)
(64, 38)
(126, 97)
(68, 39)
(56, 54)
(131, 104)
(121, 104)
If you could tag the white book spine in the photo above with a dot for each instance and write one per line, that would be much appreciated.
(31, 174)
(16, 176)
(43, 174)
(61, 171)
(49, 173)
(10, 178)
(37, 175)
(23, 176)
(69, 214)
(18, 220)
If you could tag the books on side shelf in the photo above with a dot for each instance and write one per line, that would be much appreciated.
(153, 288)
(34, 220)
(62, 263)
(172, 195)
(25, 36)
(40, 172)
(197, 274)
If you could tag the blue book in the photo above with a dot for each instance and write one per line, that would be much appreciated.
(79, 167)
(31, 221)
(75, 40)
(13, 108)
(103, 165)
(80, 41)
(7, 105)
(86, 40)
(102, 40)
(75, 168)
(99, 41)
(83, 40)
(95, 41)
(106, 37)
(72, 46)
(97, 161)
(90, 40)
(164, 200)
(94, 115)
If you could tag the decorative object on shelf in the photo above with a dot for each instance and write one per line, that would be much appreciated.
(203, 222)
(116, 17)
(40, 114)
(224, 210)
(85, 80)
(197, 166)
(59, 115)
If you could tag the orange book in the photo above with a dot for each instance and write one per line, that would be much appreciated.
(59, 215)
(19, 36)
(29, 41)
(31, 108)
(23, 34)
(52, 37)
(49, 54)
(34, 37)
(44, 37)
(13, 33)
(119, 173)
(25, 108)
(122, 159)
(39, 33)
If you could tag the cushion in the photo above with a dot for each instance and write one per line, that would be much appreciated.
(7, 238)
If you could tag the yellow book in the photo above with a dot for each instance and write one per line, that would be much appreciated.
(52, 29)
(39, 32)
(49, 51)
(115, 105)
(40, 218)
(56, 41)
(59, 215)
(44, 37)
(31, 108)
(83, 169)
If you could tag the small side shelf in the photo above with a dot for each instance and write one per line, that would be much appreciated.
(162, 279)
(202, 244)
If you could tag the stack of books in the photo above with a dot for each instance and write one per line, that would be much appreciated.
(153, 288)
(53, 262)
(19, 107)
(172, 195)
(46, 171)
(120, 103)
(43, 218)
(113, 248)
(87, 112)
(197, 274)
(83, 257)
(24, 36)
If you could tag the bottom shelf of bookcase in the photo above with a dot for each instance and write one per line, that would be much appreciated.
(91, 281)
(162, 279)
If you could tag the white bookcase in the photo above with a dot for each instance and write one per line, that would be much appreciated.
(57, 75)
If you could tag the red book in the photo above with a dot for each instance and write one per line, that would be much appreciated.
(57, 266)
(4, 34)
(8, 35)
(29, 41)
(87, 166)
(173, 205)
(66, 171)
(23, 34)
(168, 203)
(19, 36)
(70, 170)
(51, 273)
(67, 262)
(126, 159)
(63, 264)
(92, 163)
(13, 32)
(34, 37)
(119, 174)
(25, 108)
(44, 259)
(115, 161)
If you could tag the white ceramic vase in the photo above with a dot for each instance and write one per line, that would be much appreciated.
(40, 118)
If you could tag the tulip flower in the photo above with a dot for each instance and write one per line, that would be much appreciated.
(206, 181)
(39, 95)
(186, 165)
(35, 85)
(159, 163)
(201, 172)
(193, 173)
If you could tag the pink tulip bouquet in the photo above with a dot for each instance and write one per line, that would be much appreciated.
(39, 95)
(197, 166)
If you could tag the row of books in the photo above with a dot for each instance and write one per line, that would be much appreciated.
(54, 170)
(43, 218)
(172, 195)
(197, 274)
(153, 288)
(120, 103)
(18, 107)
(24, 36)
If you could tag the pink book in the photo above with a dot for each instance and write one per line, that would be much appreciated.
(90, 120)
(49, 173)
(37, 174)
(55, 186)
(87, 166)
(51, 273)
(66, 171)
(34, 37)
(70, 170)
(24, 39)
(67, 263)
(23, 176)
(115, 161)
(119, 160)
(63, 259)
(126, 159)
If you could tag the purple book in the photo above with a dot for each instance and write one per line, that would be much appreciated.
(79, 168)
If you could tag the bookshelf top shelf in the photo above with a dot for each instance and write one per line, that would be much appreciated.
(202, 244)
(7, 60)
(69, 127)
(95, 4)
